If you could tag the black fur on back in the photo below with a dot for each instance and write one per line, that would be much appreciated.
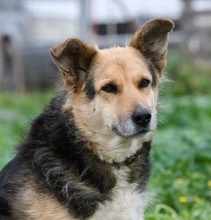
(55, 152)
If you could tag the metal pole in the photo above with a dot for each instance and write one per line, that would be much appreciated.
(84, 29)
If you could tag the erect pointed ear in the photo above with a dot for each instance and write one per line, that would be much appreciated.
(151, 40)
(72, 57)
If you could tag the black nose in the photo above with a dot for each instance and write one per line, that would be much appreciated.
(141, 116)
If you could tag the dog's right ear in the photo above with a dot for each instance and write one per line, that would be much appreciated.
(72, 57)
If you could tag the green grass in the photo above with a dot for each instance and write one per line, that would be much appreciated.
(189, 78)
(16, 113)
(181, 159)
(181, 155)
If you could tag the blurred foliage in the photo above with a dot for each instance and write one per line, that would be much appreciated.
(181, 155)
(16, 112)
(181, 158)
(187, 76)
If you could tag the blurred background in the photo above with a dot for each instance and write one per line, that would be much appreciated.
(181, 154)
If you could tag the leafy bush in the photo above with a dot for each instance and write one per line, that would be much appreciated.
(189, 78)
(181, 159)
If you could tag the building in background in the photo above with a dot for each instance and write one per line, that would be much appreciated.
(112, 20)
(33, 26)
(196, 27)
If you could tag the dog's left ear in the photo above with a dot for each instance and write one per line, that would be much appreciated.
(72, 57)
(151, 40)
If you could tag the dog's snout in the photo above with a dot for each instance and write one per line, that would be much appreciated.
(141, 116)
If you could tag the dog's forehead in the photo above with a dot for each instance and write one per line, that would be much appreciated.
(120, 55)
(126, 58)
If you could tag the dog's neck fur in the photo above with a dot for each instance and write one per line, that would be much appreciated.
(128, 161)
(118, 150)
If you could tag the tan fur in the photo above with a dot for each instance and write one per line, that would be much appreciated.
(40, 205)
(125, 67)
(143, 58)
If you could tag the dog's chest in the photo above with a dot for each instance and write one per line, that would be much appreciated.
(127, 203)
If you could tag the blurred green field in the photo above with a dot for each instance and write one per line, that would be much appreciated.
(181, 153)
(16, 113)
(181, 158)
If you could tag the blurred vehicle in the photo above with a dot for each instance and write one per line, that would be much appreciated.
(28, 29)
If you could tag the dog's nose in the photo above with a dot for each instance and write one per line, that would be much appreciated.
(141, 116)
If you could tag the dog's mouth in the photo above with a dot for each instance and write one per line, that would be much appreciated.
(130, 134)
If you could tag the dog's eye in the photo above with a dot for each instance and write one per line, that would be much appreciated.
(109, 88)
(144, 83)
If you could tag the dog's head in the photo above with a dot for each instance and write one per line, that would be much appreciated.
(113, 92)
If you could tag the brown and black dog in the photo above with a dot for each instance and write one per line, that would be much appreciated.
(87, 155)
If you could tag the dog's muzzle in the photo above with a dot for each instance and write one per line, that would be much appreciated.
(140, 122)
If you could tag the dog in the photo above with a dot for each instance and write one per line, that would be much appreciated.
(86, 155)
